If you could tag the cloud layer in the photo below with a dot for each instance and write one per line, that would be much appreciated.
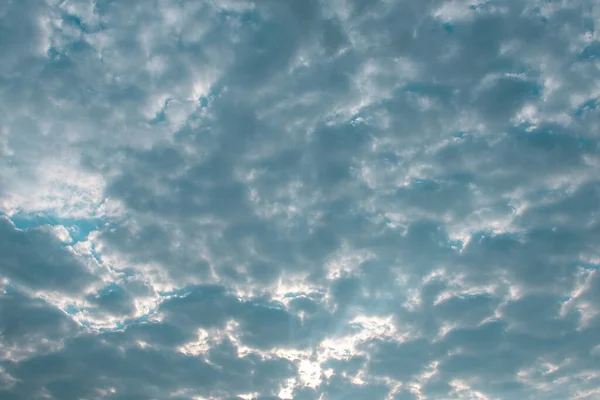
(281, 199)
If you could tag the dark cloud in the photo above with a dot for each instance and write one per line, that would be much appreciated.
(36, 260)
(30, 324)
(262, 324)
(91, 364)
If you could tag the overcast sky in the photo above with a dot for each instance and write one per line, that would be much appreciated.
(299, 199)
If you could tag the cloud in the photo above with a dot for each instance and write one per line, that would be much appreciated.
(276, 199)
(37, 261)
(31, 325)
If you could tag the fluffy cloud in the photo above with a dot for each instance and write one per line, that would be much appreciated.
(280, 199)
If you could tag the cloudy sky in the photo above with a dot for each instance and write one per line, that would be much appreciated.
(299, 199)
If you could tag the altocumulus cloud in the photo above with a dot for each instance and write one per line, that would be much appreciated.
(299, 199)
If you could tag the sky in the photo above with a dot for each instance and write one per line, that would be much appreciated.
(299, 199)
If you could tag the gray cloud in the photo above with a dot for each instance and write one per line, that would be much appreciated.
(277, 199)
(37, 261)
